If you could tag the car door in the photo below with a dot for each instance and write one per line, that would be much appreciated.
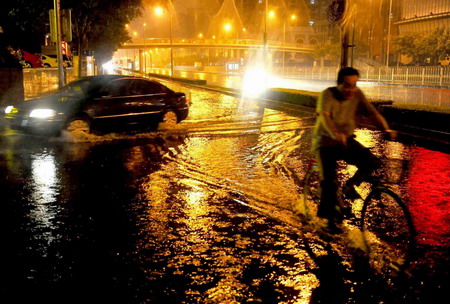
(114, 105)
(149, 100)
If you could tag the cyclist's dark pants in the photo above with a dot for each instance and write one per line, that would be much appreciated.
(354, 153)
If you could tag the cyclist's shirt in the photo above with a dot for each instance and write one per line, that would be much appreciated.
(344, 114)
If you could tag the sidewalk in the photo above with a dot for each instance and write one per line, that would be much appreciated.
(398, 93)
(430, 128)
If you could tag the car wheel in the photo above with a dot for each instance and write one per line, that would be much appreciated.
(27, 64)
(169, 120)
(79, 124)
(46, 65)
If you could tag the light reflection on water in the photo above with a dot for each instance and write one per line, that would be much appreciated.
(258, 168)
(46, 187)
(189, 227)
(213, 244)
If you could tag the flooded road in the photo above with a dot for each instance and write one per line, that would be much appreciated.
(203, 213)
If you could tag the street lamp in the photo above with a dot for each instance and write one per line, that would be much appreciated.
(389, 33)
(159, 12)
(292, 19)
(265, 46)
(151, 61)
(145, 58)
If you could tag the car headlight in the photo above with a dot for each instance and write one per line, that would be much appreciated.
(42, 113)
(10, 110)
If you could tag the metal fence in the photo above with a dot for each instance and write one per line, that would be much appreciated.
(432, 75)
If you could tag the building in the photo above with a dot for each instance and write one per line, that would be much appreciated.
(418, 16)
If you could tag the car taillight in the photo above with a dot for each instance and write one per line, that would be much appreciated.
(183, 99)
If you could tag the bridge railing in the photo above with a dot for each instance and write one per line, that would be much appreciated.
(431, 75)
(148, 42)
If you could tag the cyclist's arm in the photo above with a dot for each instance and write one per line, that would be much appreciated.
(382, 124)
(377, 118)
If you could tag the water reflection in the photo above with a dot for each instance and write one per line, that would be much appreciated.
(45, 190)
(429, 196)
(44, 177)
(207, 216)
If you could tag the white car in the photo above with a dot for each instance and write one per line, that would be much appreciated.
(51, 61)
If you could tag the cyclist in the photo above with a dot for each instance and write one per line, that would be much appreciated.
(338, 111)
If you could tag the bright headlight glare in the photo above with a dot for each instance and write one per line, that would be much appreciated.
(42, 113)
(255, 82)
(8, 109)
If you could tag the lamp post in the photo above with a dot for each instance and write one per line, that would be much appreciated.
(57, 12)
(151, 61)
(389, 33)
(145, 58)
(265, 29)
(292, 18)
(159, 12)
(171, 45)
(134, 52)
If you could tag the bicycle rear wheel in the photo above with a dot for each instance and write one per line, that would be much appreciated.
(388, 231)
(311, 192)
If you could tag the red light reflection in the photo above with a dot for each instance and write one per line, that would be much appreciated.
(429, 194)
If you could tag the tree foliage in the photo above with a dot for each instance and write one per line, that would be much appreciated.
(328, 50)
(424, 48)
(25, 23)
(98, 25)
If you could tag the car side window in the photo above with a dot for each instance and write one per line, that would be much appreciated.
(144, 87)
(131, 87)
(121, 87)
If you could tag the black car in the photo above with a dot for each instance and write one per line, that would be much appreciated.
(97, 102)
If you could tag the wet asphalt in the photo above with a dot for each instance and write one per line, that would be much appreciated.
(203, 213)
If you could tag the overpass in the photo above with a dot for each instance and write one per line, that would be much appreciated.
(206, 54)
(235, 44)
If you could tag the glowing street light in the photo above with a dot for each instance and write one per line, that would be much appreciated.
(159, 11)
(227, 27)
(272, 14)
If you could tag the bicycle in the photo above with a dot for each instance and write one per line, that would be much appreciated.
(387, 228)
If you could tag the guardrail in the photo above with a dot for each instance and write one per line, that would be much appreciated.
(431, 75)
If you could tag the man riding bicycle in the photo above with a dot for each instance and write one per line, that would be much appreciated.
(333, 139)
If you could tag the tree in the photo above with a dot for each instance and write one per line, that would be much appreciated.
(328, 50)
(98, 25)
(406, 44)
(25, 23)
(422, 48)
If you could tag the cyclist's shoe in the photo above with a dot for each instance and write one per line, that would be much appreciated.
(345, 210)
(332, 228)
(350, 193)
(332, 214)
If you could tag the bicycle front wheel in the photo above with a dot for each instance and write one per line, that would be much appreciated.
(311, 192)
(388, 230)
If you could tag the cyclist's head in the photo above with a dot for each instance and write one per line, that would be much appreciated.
(347, 71)
(346, 82)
